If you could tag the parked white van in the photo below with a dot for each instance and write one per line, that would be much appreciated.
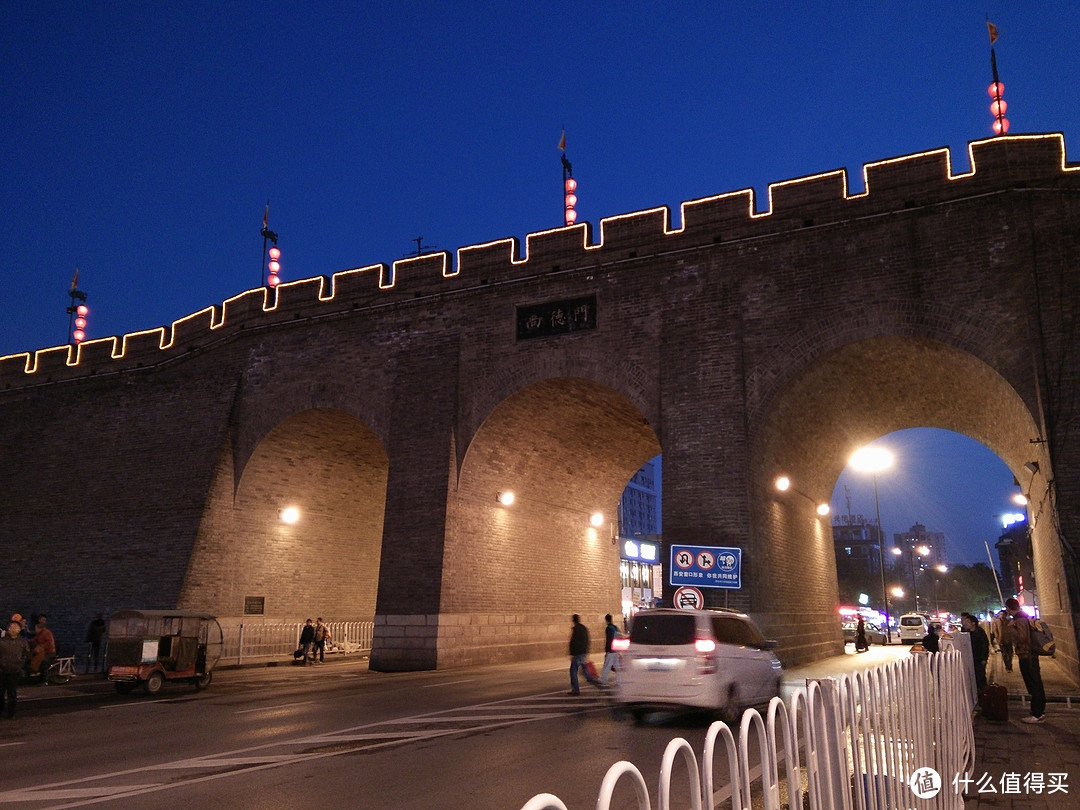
(913, 628)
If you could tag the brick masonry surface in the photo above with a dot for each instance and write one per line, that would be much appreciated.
(391, 404)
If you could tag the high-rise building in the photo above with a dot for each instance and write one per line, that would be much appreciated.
(640, 566)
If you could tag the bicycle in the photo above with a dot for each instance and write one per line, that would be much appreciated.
(59, 672)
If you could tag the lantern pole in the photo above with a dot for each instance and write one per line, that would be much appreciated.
(268, 234)
(997, 89)
(569, 185)
(76, 312)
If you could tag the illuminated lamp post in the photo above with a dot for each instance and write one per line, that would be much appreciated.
(920, 551)
(873, 460)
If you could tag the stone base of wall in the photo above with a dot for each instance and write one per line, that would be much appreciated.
(415, 642)
(802, 638)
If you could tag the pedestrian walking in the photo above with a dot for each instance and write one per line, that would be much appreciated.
(322, 635)
(610, 631)
(861, 644)
(94, 634)
(579, 651)
(1018, 631)
(14, 653)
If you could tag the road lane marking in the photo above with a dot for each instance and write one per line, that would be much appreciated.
(286, 753)
(274, 708)
(447, 683)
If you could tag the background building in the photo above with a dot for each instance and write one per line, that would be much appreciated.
(640, 566)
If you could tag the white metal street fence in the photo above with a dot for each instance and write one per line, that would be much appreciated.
(895, 736)
(244, 640)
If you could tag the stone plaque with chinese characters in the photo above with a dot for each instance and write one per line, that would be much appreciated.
(556, 318)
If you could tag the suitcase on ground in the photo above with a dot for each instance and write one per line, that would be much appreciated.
(994, 702)
(590, 670)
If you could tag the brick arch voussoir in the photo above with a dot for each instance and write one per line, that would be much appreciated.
(249, 434)
(948, 324)
(624, 376)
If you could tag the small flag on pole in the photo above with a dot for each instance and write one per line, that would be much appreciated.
(266, 217)
(993, 32)
(562, 141)
(75, 279)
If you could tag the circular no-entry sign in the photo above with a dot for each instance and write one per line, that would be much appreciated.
(687, 598)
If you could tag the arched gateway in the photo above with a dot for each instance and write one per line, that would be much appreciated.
(391, 405)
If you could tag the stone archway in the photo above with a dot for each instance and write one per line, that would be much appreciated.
(565, 446)
(834, 405)
(332, 469)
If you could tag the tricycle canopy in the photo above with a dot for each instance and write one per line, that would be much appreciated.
(181, 640)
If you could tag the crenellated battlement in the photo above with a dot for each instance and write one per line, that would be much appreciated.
(890, 185)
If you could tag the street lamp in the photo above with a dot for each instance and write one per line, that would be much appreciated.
(941, 569)
(921, 551)
(873, 460)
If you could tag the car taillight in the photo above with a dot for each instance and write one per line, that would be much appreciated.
(620, 644)
(705, 647)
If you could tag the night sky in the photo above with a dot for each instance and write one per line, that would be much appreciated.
(142, 141)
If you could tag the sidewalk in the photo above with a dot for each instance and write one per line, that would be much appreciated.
(1029, 767)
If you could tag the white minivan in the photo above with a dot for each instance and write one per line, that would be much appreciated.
(913, 628)
(706, 659)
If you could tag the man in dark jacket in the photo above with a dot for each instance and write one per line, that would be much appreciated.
(579, 650)
(14, 652)
(980, 647)
(307, 638)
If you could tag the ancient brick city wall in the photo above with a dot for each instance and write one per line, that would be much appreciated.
(742, 343)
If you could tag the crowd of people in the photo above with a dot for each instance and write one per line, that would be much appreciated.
(24, 653)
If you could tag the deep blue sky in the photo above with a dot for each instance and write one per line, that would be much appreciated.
(141, 141)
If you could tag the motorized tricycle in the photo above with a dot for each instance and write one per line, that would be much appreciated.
(151, 647)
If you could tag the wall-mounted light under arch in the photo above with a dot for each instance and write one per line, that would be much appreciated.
(783, 483)
(508, 498)
(290, 514)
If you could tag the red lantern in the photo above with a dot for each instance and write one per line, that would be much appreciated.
(78, 335)
(82, 310)
(998, 107)
(80, 323)
(571, 200)
(571, 184)
(571, 216)
(274, 266)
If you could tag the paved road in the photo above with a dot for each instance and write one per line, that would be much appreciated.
(335, 735)
(339, 735)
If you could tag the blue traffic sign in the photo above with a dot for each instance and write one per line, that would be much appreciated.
(706, 566)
